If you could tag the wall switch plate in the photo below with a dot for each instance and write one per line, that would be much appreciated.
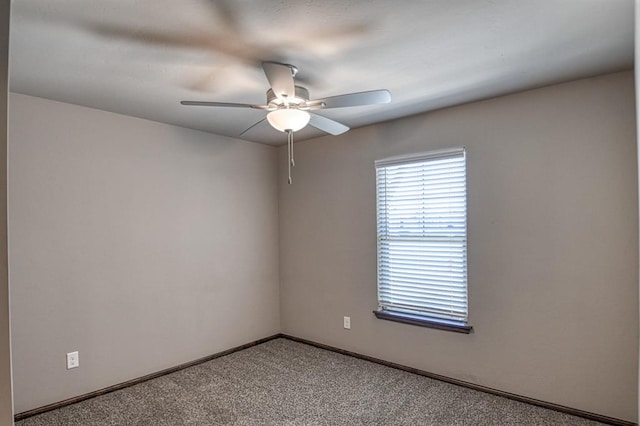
(347, 323)
(73, 360)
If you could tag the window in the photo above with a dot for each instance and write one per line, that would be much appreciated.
(422, 239)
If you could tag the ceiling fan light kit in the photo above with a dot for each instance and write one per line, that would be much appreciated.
(288, 119)
(289, 105)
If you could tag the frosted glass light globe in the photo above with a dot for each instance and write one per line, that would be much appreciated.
(288, 119)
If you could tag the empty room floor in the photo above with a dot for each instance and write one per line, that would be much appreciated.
(282, 382)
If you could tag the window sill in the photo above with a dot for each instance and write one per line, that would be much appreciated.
(438, 324)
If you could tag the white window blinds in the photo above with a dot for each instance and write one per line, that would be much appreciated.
(422, 234)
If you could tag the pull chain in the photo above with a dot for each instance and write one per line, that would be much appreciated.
(290, 162)
(293, 163)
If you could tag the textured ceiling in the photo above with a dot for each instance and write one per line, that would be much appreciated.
(142, 57)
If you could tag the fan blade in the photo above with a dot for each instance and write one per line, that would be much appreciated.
(280, 78)
(327, 125)
(223, 104)
(253, 125)
(353, 99)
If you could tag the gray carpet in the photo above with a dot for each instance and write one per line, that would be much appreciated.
(287, 383)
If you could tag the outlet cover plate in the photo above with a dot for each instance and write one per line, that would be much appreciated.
(73, 360)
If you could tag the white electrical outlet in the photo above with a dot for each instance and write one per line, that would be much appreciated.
(73, 360)
(347, 323)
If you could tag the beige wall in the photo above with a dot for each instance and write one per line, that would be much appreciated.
(6, 415)
(553, 244)
(139, 244)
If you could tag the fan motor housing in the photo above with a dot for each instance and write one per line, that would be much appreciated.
(301, 98)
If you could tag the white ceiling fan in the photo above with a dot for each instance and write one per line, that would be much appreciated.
(290, 109)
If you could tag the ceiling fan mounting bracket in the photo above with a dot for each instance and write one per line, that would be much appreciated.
(293, 68)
